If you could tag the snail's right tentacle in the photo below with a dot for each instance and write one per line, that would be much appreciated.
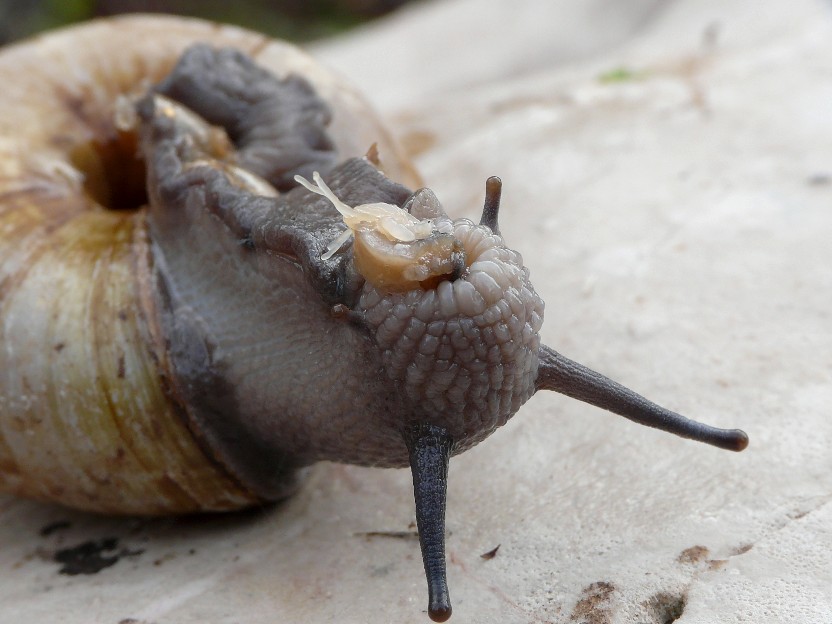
(563, 375)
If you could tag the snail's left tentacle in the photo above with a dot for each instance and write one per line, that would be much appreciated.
(491, 207)
(563, 375)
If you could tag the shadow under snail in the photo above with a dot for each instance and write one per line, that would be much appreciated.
(205, 287)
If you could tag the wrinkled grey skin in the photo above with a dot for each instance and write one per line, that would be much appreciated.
(269, 374)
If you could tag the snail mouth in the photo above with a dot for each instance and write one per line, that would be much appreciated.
(115, 177)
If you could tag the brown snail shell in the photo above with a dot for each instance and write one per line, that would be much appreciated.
(86, 416)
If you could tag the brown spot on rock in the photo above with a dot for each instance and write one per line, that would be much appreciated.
(667, 607)
(741, 550)
(594, 605)
(694, 554)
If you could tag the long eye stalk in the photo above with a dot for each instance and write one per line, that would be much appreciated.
(561, 374)
(430, 449)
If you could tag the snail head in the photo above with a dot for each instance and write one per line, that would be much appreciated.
(462, 341)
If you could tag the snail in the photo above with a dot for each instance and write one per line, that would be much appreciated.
(207, 283)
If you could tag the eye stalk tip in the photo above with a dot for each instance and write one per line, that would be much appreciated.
(493, 184)
(491, 207)
(739, 440)
(440, 612)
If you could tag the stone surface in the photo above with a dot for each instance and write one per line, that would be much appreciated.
(669, 183)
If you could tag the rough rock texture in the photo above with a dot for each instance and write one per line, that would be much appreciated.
(668, 179)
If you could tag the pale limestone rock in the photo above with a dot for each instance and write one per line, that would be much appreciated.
(677, 223)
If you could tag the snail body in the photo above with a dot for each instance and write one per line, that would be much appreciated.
(247, 295)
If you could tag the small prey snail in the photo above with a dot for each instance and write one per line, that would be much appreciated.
(203, 288)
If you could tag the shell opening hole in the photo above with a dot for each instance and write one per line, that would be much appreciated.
(114, 173)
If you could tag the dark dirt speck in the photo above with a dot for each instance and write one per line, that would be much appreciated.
(821, 178)
(92, 556)
(54, 527)
(491, 553)
(391, 534)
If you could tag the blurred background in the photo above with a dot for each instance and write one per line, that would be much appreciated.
(297, 20)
